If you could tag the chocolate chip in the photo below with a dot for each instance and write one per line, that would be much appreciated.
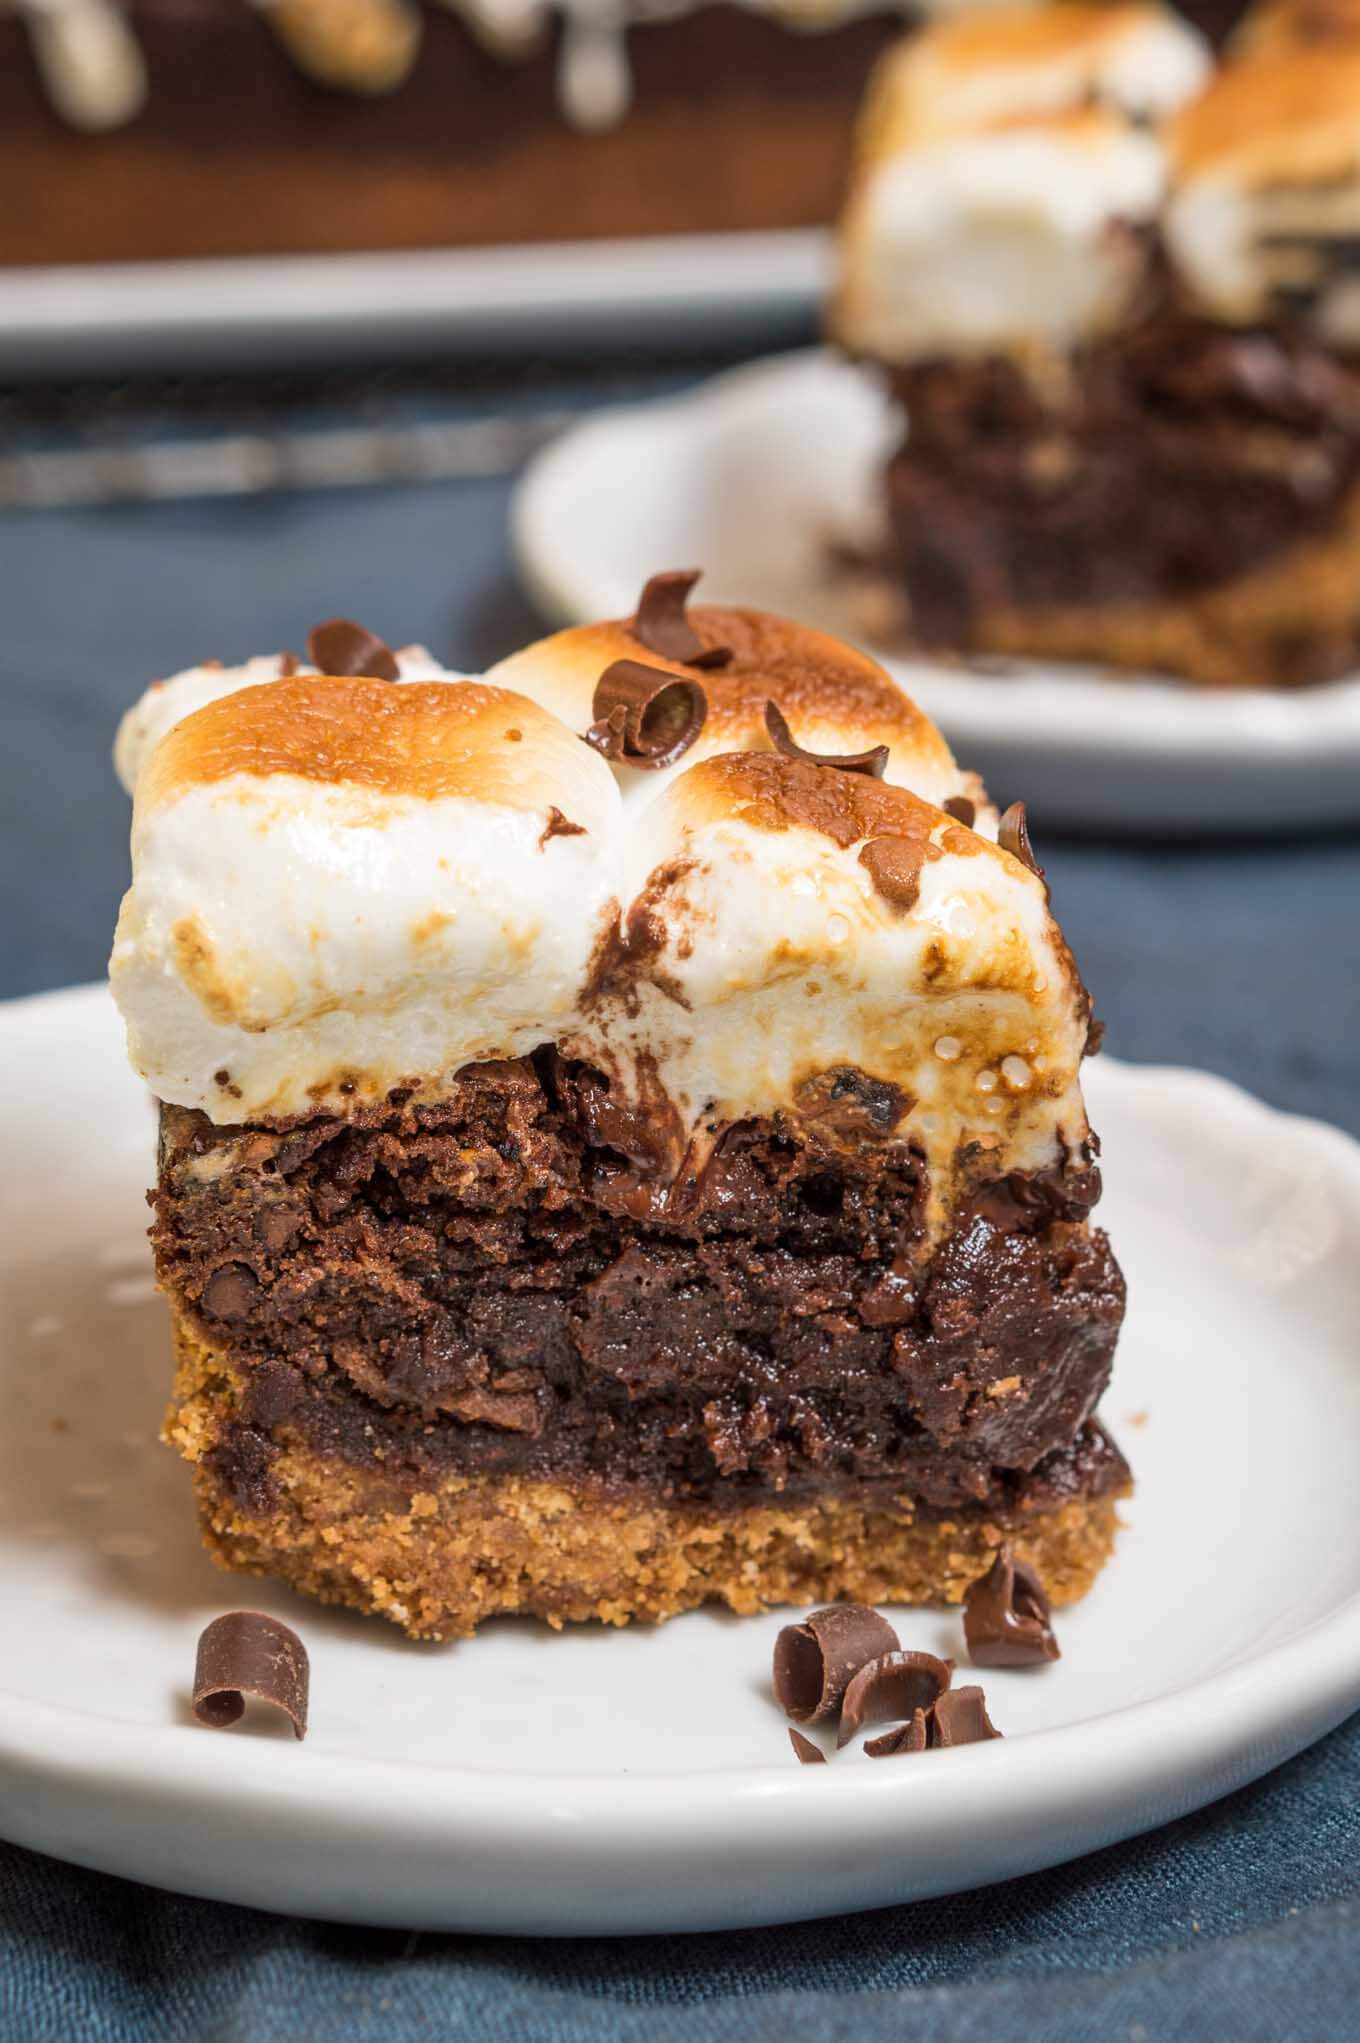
(645, 716)
(961, 809)
(1013, 836)
(663, 627)
(894, 1685)
(808, 1753)
(230, 1292)
(872, 763)
(340, 646)
(961, 1719)
(559, 825)
(910, 1737)
(894, 866)
(246, 1653)
(814, 1662)
(1006, 1616)
(276, 1226)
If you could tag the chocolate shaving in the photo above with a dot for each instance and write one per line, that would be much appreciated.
(339, 646)
(1006, 1616)
(246, 1653)
(961, 809)
(895, 1685)
(872, 763)
(808, 1753)
(1013, 836)
(815, 1662)
(912, 1737)
(960, 1718)
(644, 716)
(663, 626)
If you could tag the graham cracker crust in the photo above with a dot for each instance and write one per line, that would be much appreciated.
(1286, 624)
(437, 1560)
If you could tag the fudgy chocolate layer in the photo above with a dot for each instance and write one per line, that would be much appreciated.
(1172, 459)
(468, 1286)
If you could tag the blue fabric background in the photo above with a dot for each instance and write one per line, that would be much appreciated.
(1242, 1921)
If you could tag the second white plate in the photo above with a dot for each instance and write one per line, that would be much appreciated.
(754, 472)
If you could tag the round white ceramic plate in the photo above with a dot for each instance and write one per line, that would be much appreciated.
(622, 1781)
(753, 474)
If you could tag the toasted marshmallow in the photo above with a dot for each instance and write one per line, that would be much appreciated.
(1006, 164)
(796, 922)
(1265, 204)
(342, 886)
(836, 699)
(166, 703)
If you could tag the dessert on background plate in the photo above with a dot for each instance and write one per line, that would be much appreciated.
(1111, 290)
(621, 1134)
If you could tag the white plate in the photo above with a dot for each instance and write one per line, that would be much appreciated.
(248, 313)
(754, 472)
(599, 1781)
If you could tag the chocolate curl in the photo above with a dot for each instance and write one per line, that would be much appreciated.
(815, 1662)
(645, 717)
(912, 1737)
(895, 1685)
(246, 1653)
(342, 647)
(961, 809)
(1006, 1616)
(808, 1753)
(872, 763)
(663, 626)
(1013, 836)
(960, 1718)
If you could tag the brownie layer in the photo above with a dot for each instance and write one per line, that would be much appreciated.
(499, 1283)
(1170, 461)
(440, 1555)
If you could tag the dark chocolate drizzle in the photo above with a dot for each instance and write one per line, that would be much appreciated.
(645, 716)
(342, 647)
(663, 626)
(872, 763)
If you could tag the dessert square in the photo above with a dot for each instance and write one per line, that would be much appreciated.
(1112, 290)
(622, 1141)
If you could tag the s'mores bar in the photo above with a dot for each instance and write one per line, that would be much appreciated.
(1112, 292)
(621, 1133)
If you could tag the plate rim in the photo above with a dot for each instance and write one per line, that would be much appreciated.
(1228, 1726)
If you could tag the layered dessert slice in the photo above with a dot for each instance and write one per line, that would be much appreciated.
(1115, 303)
(621, 1141)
